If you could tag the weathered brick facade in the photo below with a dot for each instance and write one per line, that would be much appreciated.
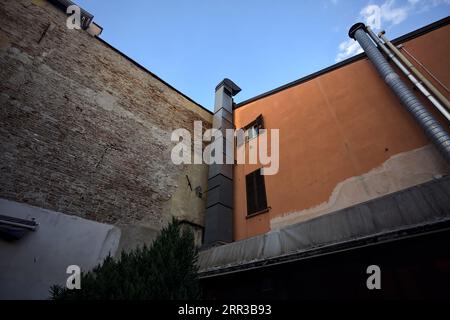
(84, 130)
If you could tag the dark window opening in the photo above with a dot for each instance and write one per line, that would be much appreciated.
(253, 128)
(256, 192)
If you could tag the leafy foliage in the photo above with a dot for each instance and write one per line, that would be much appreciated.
(166, 270)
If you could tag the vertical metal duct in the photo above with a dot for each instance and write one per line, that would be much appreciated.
(219, 204)
(429, 124)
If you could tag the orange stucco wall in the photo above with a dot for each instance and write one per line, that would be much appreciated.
(338, 125)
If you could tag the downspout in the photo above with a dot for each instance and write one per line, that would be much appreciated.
(432, 128)
(413, 79)
(414, 70)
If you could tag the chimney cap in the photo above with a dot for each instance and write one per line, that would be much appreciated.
(230, 85)
(354, 28)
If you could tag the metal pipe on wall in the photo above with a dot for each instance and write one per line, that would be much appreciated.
(416, 72)
(219, 202)
(433, 129)
(402, 47)
(413, 79)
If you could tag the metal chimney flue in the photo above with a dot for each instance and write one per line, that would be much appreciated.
(219, 204)
(433, 129)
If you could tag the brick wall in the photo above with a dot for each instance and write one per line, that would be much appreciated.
(83, 130)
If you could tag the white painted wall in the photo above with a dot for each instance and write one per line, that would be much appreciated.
(29, 266)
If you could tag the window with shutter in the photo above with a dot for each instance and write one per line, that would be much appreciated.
(256, 192)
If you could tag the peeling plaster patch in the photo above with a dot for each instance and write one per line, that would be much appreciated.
(399, 172)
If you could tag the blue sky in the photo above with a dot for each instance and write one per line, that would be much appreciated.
(259, 44)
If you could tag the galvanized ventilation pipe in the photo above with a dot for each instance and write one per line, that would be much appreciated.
(429, 124)
(402, 47)
(219, 203)
(414, 70)
(413, 79)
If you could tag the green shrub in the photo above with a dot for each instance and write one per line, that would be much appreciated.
(166, 270)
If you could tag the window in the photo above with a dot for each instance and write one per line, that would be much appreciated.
(256, 192)
(253, 128)
(252, 132)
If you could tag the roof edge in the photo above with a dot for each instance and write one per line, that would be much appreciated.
(62, 4)
(408, 36)
(334, 248)
(137, 64)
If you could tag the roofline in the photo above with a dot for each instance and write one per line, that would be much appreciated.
(334, 248)
(408, 36)
(61, 5)
(152, 74)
